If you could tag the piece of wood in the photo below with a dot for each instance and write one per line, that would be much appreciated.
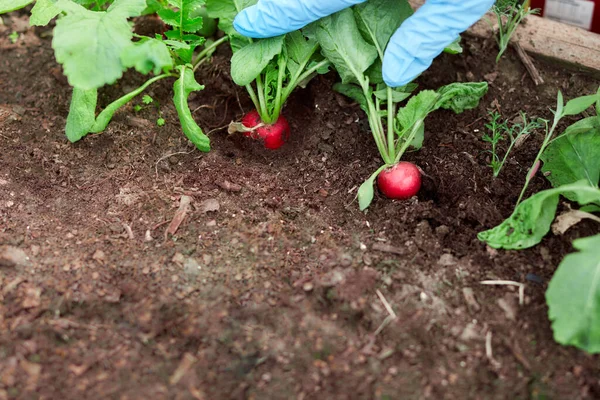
(546, 38)
(526, 60)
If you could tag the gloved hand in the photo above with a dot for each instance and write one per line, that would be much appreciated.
(411, 49)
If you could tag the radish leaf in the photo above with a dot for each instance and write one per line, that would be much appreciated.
(89, 44)
(248, 62)
(379, 19)
(573, 297)
(81, 113)
(42, 12)
(531, 220)
(354, 92)
(183, 87)
(225, 11)
(148, 55)
(12, 5)
(459, 96)
(343, 45)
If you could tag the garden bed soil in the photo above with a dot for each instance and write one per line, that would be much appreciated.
(272, 286)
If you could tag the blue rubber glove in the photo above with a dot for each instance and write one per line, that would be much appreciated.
(412, 48)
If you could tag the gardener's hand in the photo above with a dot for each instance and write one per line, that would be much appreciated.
(412, 48)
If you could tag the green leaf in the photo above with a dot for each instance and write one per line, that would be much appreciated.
(250, 61)
(186, 18)
(454, 47)
(82, 113)
(12, 5)
(532, 219)
(147, 99)
(89, 44)
(459, 97)
(417, 108)
(573, 297)
(225, 11)
(580, 104)
(572, 158)
(148, 55)
(378, 20)
(399, 94)
(354, 92)
(299, 50)
(185, 85)
(584, 125)
(106, 115)
(343, 45)
(42, 12)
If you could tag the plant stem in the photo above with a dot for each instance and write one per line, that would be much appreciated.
(262, 110)
(253, 97)
(300, 78)
(390, 124)
(547, 141)
(282, 65)
(200, 59)
(411, 136)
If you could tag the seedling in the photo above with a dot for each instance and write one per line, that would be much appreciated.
(13, 37)
(509, 14)
(95, 46)
(572, 165)
(270, 70)
(500, 130)
(354, 41)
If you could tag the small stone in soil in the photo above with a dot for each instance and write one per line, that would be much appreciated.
(210, 205)
(13, 257)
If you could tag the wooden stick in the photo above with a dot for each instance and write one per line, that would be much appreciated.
(526, 60)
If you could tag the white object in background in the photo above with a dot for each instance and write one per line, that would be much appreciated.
(573, 12)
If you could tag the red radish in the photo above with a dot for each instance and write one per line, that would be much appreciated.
(273, 135)
(402, 181)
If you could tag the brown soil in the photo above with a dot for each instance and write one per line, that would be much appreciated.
(268, 289)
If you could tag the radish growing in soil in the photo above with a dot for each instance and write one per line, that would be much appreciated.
(354, 40)
(270, 70)
(401, 182)
(273, 136)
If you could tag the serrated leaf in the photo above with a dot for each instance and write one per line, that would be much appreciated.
(82, 113)
(42, 12)
(185, 17)
(459, 96)
(183, 87)
(532, 219)
(572, 158)
(573, 297)
(89, 44)
(342, 44)
(13, 5)
(251, 60)
(148, 55)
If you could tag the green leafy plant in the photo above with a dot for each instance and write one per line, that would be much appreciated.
(500, 130)
(572, 165)
(270, 70)
(509, 14)
(354, 41)
(96, 46)
(13, 37)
